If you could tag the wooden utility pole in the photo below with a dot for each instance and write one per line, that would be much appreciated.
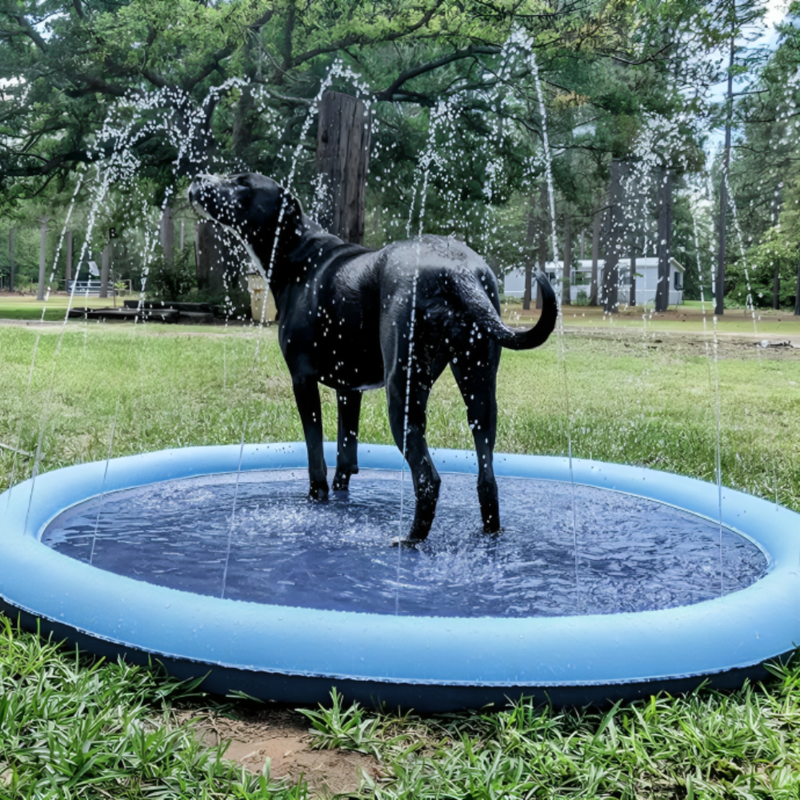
(664, 240)
(719, 298)
(343, 141)
(42, 260)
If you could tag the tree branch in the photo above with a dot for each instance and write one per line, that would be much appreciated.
(28, 29)
(214, 61)
(363, 40)
(389, 92)
(97, 85)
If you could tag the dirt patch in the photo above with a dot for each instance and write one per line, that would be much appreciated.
(680, 314)
(282, 736)
(693, 344)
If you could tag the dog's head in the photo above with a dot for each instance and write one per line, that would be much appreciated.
(250, 204)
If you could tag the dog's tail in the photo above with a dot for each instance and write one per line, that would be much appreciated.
(489, 319)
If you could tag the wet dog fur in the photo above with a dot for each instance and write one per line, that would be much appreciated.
(356, 319)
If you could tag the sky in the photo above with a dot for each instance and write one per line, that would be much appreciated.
(776, 10)
(775, 13)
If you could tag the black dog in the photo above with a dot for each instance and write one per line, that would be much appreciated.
(356, 319)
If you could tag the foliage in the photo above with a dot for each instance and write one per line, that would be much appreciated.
(171, 279)
(765, 176)
(773, 254)
(213, 87)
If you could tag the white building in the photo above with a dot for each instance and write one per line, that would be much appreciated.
(581, 278)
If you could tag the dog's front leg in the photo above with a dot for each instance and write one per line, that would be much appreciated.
(349, 404)
(306, 394)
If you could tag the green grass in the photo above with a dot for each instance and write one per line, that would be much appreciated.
(27, 307)
(709, 744)
(74, 727)
(626, 397)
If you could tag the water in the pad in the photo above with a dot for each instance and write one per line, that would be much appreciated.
(633, 554)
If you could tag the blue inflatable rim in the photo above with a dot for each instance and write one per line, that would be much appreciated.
(732, 632)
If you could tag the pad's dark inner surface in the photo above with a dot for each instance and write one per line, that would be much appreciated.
(632, 554)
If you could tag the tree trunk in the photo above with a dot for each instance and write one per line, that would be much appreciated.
(544, 228)
(183, 235)
(664, 241)
(42, 260)
(342, 160)
(215, 263)
(797, 292)
(166, 234)
(528, 291)
(719, 283)
(632, 298)
(542, 258)
(530, 238)
(595, 258)
(68, 255)
(719, 304)
(776, 287)
(105, 269)
(567, 272)
(613, 240)
(242, 123)
(12, 265)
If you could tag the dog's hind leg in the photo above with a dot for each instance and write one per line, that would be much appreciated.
(349, 405)
(408, 429)
(477, 380)
(306, 393)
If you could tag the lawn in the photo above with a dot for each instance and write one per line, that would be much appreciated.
(690, 317)
(18, 306)
(73, 727)
(616, 395)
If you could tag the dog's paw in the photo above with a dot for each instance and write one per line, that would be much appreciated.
(341, 481)
(318, 492)
(404, 542)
